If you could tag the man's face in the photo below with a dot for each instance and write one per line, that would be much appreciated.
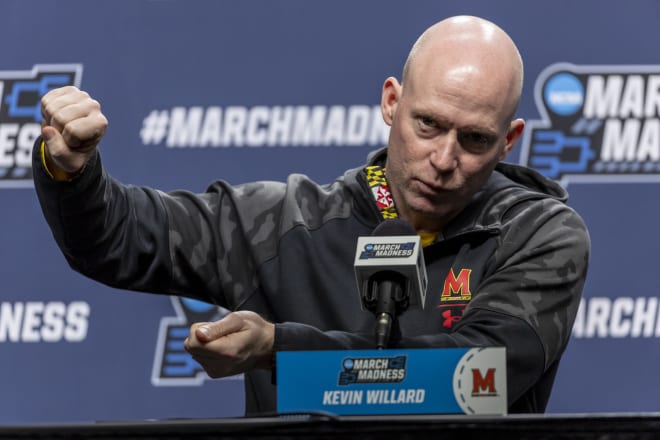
(448, 131)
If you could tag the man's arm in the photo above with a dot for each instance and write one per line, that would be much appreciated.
(116, 234)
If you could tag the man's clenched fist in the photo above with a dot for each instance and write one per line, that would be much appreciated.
(72, 127)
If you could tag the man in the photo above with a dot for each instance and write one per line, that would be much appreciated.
(506, 258)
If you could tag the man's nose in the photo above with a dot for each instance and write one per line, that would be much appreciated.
(444, 156)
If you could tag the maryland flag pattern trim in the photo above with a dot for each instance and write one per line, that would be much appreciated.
(381, 191)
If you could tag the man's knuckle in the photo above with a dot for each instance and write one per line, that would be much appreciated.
(58, 118)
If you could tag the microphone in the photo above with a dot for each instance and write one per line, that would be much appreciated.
(390, 273)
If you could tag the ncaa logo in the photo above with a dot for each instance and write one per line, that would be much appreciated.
(20, 116)
(599, 124)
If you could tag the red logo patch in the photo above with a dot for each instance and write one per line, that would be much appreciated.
(450, 318)
(383, 196)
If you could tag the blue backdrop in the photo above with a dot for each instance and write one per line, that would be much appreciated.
(257, 89)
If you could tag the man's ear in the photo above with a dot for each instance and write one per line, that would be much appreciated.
(390, 99)
(513, 134)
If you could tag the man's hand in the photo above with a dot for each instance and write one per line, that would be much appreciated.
(72, 127)
(240, 342)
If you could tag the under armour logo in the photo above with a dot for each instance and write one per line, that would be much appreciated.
(450, 319)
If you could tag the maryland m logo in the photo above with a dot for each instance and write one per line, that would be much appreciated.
(457, 288)
(483, 386)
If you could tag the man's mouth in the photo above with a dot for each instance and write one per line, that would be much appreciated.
(430, 188)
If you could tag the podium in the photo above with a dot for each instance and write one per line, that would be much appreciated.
(393, 381)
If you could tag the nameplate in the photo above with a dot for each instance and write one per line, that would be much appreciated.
(392, 381)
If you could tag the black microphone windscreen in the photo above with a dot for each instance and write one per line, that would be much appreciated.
(393, 226)
(393, 247)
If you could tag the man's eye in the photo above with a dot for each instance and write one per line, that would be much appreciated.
(428, 122)
(476, 141)
(477, 138)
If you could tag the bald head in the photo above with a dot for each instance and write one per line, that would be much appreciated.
(470, 47)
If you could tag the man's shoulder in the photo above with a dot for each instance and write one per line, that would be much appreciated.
(515, 194)
(299, 200)
(523, 180)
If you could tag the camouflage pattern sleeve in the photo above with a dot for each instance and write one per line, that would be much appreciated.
(538, 272)
(218, 239)
(109, 232)
(143, 239)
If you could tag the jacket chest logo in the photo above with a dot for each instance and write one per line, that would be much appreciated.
(449, 317)
(457, 287)
(455, 296)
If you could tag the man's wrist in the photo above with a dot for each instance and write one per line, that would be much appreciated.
(269, 360)
(55, 172)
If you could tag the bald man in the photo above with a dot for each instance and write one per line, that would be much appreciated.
(506, 257)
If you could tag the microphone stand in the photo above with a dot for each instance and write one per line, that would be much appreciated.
(386, 298)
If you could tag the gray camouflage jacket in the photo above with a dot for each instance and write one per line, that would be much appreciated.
(508, 271)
